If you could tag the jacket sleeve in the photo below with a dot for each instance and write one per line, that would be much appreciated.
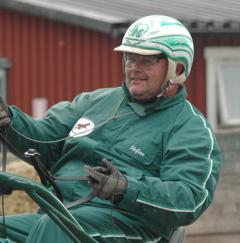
(56, 125)
(188, 175)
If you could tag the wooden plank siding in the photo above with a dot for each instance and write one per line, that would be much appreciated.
(57, 61)
(54, 60)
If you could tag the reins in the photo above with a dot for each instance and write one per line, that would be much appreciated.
(4, 164)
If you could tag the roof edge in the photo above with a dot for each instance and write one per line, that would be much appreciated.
(63, 17)
(115, 29)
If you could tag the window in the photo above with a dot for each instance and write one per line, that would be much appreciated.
(228, 85)
(223, 85)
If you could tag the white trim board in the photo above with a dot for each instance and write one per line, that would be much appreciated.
(214, 56)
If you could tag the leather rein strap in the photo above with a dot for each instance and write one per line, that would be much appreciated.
(82, 200)
(4, 165)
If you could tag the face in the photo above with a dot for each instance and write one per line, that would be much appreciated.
(144, 75)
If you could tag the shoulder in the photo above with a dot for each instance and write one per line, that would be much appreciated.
(105, 92)
(191, 121)
(100, 94)
(193, 113)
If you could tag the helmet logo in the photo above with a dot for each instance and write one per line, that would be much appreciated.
(138, 30)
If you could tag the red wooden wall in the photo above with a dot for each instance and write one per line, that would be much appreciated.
(57, 61)
(54, 60)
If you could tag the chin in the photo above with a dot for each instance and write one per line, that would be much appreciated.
(136, 95)
(137, 92)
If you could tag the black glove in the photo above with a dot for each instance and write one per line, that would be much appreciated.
(107, 181)
(4, 114)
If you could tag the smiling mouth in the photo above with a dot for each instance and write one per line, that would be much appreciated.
(138, 79)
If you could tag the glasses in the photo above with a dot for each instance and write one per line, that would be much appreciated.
(142, 60)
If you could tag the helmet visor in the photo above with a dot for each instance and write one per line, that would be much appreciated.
(136, 50)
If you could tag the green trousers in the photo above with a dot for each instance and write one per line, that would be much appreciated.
(104, 225)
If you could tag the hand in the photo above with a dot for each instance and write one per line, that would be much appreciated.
(4, 114)
(107, 181)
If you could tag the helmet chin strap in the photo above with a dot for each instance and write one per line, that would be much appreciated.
(164, 88)
(171, 78)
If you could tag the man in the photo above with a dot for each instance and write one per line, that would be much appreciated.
(151, 157)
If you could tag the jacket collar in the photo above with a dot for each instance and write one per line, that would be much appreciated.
(143, 109)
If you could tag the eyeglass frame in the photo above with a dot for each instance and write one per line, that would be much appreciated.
(147, 63)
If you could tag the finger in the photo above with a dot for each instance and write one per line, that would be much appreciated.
(4, 122)
(92, 181)
(99, 169)
(102, 170)
(106, 163)
(3, 105)
(93, 173)
(3, 114)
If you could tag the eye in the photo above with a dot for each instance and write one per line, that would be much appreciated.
(145, 61)
(130, 60)
(148, 61)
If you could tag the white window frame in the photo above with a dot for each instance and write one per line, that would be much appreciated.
(225, 118)
(214, 57)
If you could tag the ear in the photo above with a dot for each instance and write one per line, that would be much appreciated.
(176, 72)
(179, 69)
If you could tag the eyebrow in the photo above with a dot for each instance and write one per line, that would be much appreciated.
(160, 56)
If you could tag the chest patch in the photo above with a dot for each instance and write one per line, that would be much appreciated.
(82, 128)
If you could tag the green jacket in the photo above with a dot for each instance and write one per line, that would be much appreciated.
(166, 149)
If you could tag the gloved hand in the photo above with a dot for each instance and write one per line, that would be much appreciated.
(4, 114)
(107, 181)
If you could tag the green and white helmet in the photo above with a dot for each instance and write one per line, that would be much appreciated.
(157, 34)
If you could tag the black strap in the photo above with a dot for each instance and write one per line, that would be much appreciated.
(5, 189)
(4, 165)
(82, 200)
(45, 176)
(4, 157)
(70, 178)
